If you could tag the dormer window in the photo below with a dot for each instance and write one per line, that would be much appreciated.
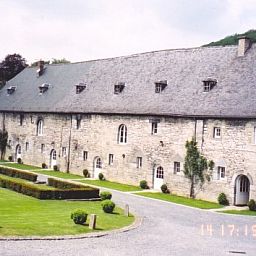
(11, 90)
(43, 88)
(41, 68)
(80, 87)
(209, 84)
(160, 86)
(118, 88)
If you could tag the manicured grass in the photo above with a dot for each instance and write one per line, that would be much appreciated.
(242, 212)
(182, 200)
(26, 216)
(3, 161)
(22, 166)
(59, 174)
(112, 185)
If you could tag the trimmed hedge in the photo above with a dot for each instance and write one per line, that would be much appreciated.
(44, 192)
(62, 184)
(18, 174)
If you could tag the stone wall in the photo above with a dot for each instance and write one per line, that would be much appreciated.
(98, 135)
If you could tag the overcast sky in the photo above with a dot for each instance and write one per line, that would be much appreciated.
(90, 29)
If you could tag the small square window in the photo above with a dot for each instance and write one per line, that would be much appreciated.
(216, 132)
(176, 168)
(42, 148)
(221, 173)
(110, 159)
(139, 162)
(64, 151)
(154, 128)
(85, 155)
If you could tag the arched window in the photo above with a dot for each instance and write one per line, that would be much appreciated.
(98, 163)
(40, 127)
(160, 172)
(122, 134)
(54, 155)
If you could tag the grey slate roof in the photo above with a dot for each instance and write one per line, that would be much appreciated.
(184, 69)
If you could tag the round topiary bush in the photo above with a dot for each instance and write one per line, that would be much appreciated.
(79, 216)
(252, 205)
(101, 176)
(86, 173)
(108, 206)
(55, 168)
(44, 166)
(143, 184)
(165, 189)
(19, 161)
(222, 199)
(105, 195)
(10, 158)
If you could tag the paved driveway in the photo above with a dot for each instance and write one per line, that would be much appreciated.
(167, 229)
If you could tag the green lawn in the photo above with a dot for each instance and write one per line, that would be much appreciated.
(24, 216)
(3, 161)
(21, 166)
(181, 200)
(59, 174)
(112, 185)
(242, 212)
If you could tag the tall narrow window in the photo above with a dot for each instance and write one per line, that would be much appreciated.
(27, 146)
(64, 151)
(176, 167)
(98, 163)
(85, 155)
(40, 127)
(139, 162)
(42, 148)
(254, 135)
(221, 173)
(154, 128)
(110, 159)
(122, 134)
(21, 119)
(216, 132)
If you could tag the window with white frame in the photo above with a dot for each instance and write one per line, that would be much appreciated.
(154, 128)
(110, 159)
(216, 132)
(139, 162)
(176, 167)
(64, 151)
(122, 134)
(85, 155)
(98, 163)
(42, 148)
(40, 127)
(27, 146)
(221, 173)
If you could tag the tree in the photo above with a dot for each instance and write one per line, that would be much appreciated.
(11, 66)
(196, 166)
(3, 142)
(60, 61)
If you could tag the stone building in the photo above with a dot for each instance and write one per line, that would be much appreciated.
(129, 117)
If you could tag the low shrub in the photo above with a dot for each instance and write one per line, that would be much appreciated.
(101, 176)
(252, 205)
(79, 216)
(108, 206)
(86, 173)
(18, 174)
(62, 184)
(19, 161)
(105, 195)
(143, 184)
(165, 189)
(44, 166)
(56, 168)
(222, 199)
(10, 158)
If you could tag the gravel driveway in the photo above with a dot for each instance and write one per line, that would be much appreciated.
(167, 229)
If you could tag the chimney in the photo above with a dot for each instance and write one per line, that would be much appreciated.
(40, 67)
(244, 44)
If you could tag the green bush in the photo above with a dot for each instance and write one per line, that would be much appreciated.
(222, 199)
(143, 184)
(10, 158)
(44, 166)
(105, 195)
(108, 206)
(101, 176)
(86, 173)
(165, 189)
(55, 168)
(252, 205)
(62, 184)
(18, 174)
(19, 161)
(79, 216)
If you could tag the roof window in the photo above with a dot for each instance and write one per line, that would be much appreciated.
(11, 90)
(209, 84)
(118, 88)
(80, 87)
(43, 88)
(160, 86)
(41, 68)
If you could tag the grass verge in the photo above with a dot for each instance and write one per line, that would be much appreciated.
(242, 212)
(25, 216)
(182, 200)
(21, 166)
(112, 185)
(59, 174)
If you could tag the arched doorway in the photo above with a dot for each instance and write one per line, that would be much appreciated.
(97, 167)
(158, 177)
(18, 152)
(242, 190)
(53, 158)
